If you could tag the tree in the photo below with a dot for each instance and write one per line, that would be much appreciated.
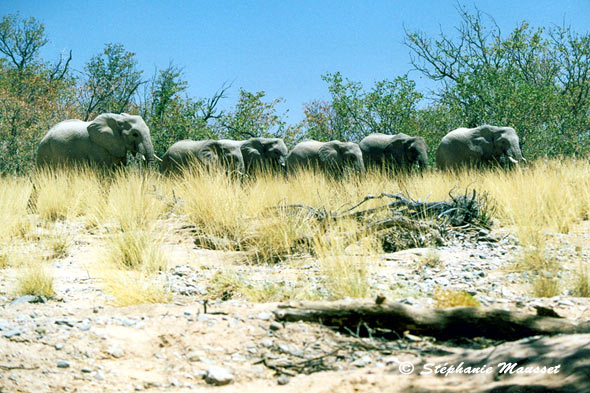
(112, 80)
(172, 115)
(253, 117)
(533, 79)
(34, 95)
(389, 107)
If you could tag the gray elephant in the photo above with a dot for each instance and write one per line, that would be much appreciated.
(207, 153)
(481, 146)
(264, 154)
(334, 157)
(103, 142)
(394, 152)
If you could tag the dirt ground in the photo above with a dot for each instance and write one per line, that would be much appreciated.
(80, 342)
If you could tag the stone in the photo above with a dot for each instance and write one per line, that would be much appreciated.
(275, 326)
(11, 333)
(116, 352)
(267, 343)
(63, 364)
(265, 316)
(283, 380)
(25, 299)
(196, 356)
(58, 347)
(85, 326)
(219, 376)
(4, 324)
(362, 362)
(86, 370)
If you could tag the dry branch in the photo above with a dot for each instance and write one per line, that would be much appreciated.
(439, 323)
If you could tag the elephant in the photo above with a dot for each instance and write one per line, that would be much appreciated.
(479, 147)
(395, 152)
(333, 157)
(207, 153)
(264, 154)
(103, 142)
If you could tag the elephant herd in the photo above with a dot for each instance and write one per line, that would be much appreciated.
(107, 139)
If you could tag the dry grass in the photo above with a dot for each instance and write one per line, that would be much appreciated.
(447, 298)
(34, 278)
(67, 194)
(3, 259)
(582, 281)
(547, 196)
(546, 285)
(344, 275)
(430, 259)
(228, 284)
(58, 244)
(134, 200)
(131, 287)
(14, 196)
(138, 250)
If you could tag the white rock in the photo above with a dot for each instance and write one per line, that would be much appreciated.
(219, 376)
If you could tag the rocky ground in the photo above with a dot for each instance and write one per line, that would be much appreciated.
(79, 341)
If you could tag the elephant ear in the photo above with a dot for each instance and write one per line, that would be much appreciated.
(208, 153)
(252, 151)
(486, 140)
(329, 154)
(396, 150)
(105, 131)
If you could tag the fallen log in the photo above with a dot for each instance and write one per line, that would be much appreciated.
(442, 324)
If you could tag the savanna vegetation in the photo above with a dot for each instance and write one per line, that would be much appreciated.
(228, 214)
(532, 79)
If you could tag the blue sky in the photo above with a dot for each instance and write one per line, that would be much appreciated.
(281, 47)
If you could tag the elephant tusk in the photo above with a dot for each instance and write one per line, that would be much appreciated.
(524, 160)
(512, 160)
(157, 158)
(142, 157)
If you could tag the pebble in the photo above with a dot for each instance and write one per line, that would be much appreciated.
(362, 362)
(116, 352)
(265, 316)
(85, 326)
(58, 347)
(4, 324)
(219, 376)
(196, 356)
(267, 343)
(99, 375)
(86, 370)
(63, 364)
(11, 333)
(283, 380)
(275, 326)
(27, 299)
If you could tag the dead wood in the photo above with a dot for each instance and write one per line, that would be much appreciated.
(439, 323)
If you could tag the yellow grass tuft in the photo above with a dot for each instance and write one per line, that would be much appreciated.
(14, 196)
(130, 288)
(447, 298)
(344, 275)
(431, 259)
(132, 201)
(137, 250)
(546, 285)
(582, 281)
(67, 194)
(35, 279)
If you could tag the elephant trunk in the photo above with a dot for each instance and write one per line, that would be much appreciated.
(146, 149)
